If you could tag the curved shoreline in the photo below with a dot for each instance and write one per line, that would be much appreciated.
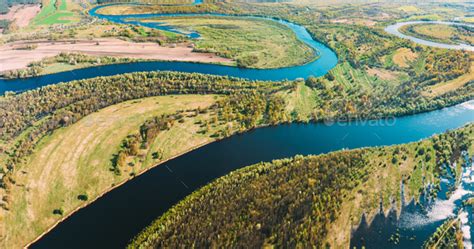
(394, 30)
(122, 183)
(112, 188)
(198, 149)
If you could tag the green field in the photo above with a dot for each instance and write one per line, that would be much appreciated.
(50, 15)
(74, 166)
(250, 42)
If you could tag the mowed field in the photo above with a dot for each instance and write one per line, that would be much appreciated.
(76, 160)
(251, 42)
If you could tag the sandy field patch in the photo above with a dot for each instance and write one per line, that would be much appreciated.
(13, 57)
(381, 73)
(21, 14)
(403, 56)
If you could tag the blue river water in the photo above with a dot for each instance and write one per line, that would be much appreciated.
(112, 220)
(325, 60)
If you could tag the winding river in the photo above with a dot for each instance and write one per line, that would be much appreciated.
(394, 30)
(326, 60)
(112, 220)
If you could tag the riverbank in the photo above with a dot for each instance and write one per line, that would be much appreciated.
(109, 190)
(441, 33)
(251, 42)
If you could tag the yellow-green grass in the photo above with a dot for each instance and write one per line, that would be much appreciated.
(348, 76)
(62, 67)
(438, 33)
(434, 17)
(301, 102)
(451, 85)
(468, 19)
(76, 160)
(49, 15)
(408, 8)
(251, 42)
(403, 57)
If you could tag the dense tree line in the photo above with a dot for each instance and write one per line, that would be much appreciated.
(252, 109)
(444, 65)
(134, 143)
(86, 96)
(36, 68)
(237, 112)
(285, 203)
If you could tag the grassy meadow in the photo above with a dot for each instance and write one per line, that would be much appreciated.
(250, 42)
(57, 12)
(63, 167)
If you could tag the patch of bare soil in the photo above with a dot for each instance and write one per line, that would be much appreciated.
(14, 55)
(21, 14)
